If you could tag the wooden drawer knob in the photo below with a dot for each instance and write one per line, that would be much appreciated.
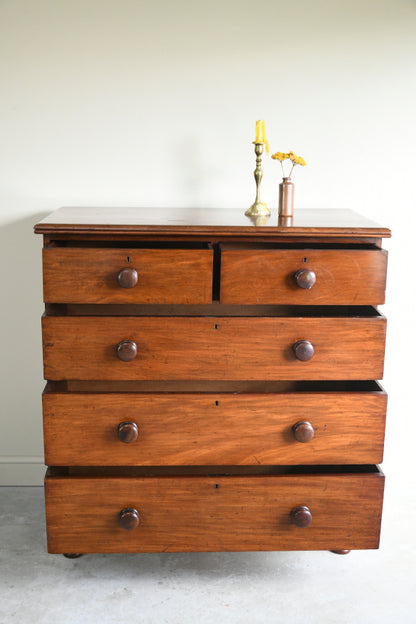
(301, 516)
(127, 278)
(129, 518)
(303, 350)
(128, 432)
(305, 278)
(126, 350)
(303, 431)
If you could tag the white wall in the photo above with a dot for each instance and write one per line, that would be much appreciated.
(133, 103)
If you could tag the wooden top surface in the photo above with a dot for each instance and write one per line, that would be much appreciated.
(206, 221)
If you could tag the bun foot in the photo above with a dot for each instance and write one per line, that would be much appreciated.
(340, 552)
(72, 555)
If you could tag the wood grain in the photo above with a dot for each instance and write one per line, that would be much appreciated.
(207, 513)
(213, 348)
(177, 276)
(267, 276)
(215, 429)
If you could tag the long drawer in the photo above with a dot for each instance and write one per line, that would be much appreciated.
(303, 276)
(216, 428)
(178, 276)
(214, 513)
(213, 347)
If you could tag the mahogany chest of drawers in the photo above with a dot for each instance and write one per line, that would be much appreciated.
(212, 382)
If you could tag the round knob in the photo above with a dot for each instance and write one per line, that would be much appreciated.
(301, 516)
(126, 350)
(128, 432)
(303, 431)
(129, 518)
(127, 278)
(305, 278)
(303, 350)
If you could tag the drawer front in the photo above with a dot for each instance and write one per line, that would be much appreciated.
(213, 513)
(305, 276)
(212, 348)
(212, 429)
(178, 276)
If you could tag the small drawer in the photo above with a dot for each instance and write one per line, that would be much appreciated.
(204, 348)
(303, 276)
(136, 276)
(295, 425)
(280, 510)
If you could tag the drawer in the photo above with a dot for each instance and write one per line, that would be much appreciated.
(213, 347)
(205, 512)
(88, 275)
(303, 276)
(292, 426)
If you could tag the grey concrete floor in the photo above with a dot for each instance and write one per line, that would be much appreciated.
(280, 587)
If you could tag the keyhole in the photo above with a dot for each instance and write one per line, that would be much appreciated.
(128, 258)
(305, 260)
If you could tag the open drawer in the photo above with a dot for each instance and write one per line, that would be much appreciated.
(177, 510)
(208, 423)
(128, 275)
(268, 275)
(309, 343)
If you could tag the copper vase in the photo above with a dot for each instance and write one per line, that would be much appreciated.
(286, 198)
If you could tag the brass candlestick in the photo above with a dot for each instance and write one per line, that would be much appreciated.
(258, 208)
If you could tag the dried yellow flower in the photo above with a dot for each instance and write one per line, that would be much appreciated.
(299, 161)
(280, 156)
(296, 160)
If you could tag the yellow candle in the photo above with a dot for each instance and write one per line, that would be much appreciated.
(261, 134)
(259, 131)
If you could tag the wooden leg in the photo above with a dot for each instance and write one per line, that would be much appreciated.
(340, 552)
(72, 555)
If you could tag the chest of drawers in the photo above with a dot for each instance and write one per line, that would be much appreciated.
(212, 382)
